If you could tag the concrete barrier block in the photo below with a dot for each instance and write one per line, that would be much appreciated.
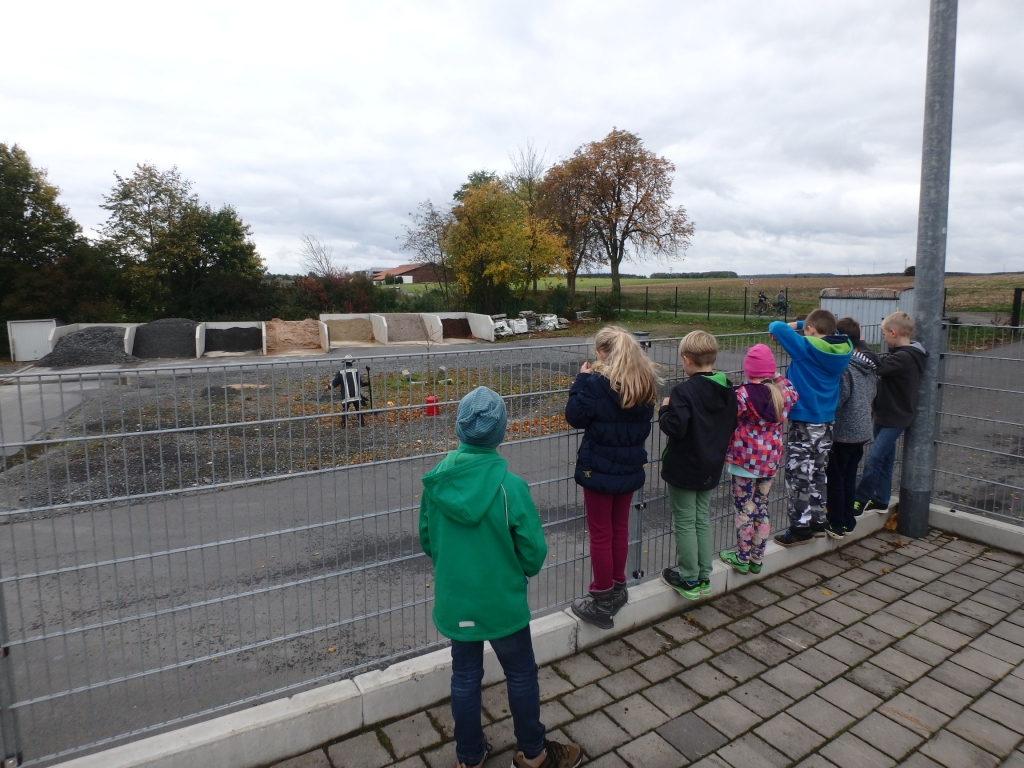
(406, 687)
(255, 736)
(554, 637)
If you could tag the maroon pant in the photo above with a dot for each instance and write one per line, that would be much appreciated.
(608, 522)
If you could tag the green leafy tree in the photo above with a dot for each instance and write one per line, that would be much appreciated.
(47, 267)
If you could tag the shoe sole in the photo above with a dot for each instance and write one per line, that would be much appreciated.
(794, 542)
(832, 535)
(590, 620)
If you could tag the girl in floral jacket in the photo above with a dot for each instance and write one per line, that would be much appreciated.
(755, 454)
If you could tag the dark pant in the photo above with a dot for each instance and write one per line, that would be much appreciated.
(515, 654)
(608, 522)
(876, 480)
(843, 460)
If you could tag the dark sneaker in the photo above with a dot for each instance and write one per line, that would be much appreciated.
(818, 531)
(732, 559)
(794, 539)
(858, 509)
(835, 531)
(755, 567)
(487, 753)
(876, 506)
(620, 596)
(688, 589)
(555, 755)
(596, 609)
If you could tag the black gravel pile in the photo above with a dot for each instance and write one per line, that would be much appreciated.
(233, 339)
(90, 346)
(456, 328)
(169, 337)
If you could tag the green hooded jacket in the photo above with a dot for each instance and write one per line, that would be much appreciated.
(482, 553)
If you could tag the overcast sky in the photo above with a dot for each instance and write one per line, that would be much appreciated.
(795, 127)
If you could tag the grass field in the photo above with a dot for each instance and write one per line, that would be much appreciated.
(967, 293)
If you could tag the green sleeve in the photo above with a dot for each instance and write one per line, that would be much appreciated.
(424, 527)
(526, 529)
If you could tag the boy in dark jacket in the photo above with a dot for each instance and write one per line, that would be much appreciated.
(817, 360)
(851, 431)
(698, 418)
(899, 381)
(480, 528)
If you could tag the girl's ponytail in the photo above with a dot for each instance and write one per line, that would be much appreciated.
(778, 401)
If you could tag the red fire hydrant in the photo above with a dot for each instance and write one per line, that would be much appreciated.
(432, 410)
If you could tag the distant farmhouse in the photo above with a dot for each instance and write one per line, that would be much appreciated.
(407, 273)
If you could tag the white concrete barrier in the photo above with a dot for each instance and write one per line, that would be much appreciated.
(435, 331)
(200, 340)
(380, 328)
(325, 336)
(481, 326)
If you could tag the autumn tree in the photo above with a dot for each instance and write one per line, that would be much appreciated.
(427, 240)
(627, 193)
(564, 204)
(47, 267)
(524, 183)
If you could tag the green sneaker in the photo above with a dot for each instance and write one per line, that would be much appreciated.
(688, 589)
(754, 567)
(705, 587)
(733, 559)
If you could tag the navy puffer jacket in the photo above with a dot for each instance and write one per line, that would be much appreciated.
(613, 451)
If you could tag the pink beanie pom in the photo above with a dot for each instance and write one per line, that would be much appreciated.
(759, 362)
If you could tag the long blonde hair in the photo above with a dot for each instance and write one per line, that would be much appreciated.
(778, 401)
(630, 371)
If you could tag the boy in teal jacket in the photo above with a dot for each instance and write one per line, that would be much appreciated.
(479, 526)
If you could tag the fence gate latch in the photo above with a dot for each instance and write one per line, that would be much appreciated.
(640, 506)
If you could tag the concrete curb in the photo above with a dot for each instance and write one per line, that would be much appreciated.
(277, 730)
(984, 530)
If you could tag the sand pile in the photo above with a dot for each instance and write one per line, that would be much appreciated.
(356, 329)
(233, 339)
(90, 346)
(456, 328)
(293, 334)
(405, 327)
(170, 337)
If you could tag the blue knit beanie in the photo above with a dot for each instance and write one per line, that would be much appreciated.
(481, 418)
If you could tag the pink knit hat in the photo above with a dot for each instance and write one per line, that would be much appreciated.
(759, 362)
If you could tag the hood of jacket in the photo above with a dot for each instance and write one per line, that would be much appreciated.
(713, 399)
(862, 363)
(761, 399)
(466, 482)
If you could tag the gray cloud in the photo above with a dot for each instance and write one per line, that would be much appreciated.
(795, 128)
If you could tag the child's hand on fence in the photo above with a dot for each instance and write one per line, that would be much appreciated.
(585, 368)
(664, 402)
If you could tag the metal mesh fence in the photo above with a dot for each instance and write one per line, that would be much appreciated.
(179, 541)
(980, 462)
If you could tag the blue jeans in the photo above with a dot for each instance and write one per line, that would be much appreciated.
(876, 480)
(515, 654)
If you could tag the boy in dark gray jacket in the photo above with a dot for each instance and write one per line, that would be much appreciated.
(852, 430)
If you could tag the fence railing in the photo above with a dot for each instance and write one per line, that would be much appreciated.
(668, 299)
(179, 541)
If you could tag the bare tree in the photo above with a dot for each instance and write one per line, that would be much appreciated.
(427, 240)
(318, 257)
(627, 191)
(563, 202)
(524, 182)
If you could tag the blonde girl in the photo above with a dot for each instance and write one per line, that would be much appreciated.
(613, 401)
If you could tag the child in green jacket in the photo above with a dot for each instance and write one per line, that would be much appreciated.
(479, 526)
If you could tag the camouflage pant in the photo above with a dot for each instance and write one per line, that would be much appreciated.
(806, 462)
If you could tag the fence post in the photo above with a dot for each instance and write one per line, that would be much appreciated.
(744, 304)
(647, 294)
(620, 301)
(10, 745)
(1015, 317)
(675, 306)
(709, 302)
(785, 315)
(917, 480)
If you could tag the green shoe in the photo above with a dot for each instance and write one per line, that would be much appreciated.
(688, 589)
(754, 567)
(733, 559)
(705, 587)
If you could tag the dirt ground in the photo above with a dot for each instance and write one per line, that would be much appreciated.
(356, 329)
(289, 334)
(456, 328)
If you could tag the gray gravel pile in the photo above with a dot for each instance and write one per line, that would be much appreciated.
(233, 339)
(90, 346)
(169, 337)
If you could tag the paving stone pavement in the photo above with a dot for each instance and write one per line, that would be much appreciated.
(884, 653)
